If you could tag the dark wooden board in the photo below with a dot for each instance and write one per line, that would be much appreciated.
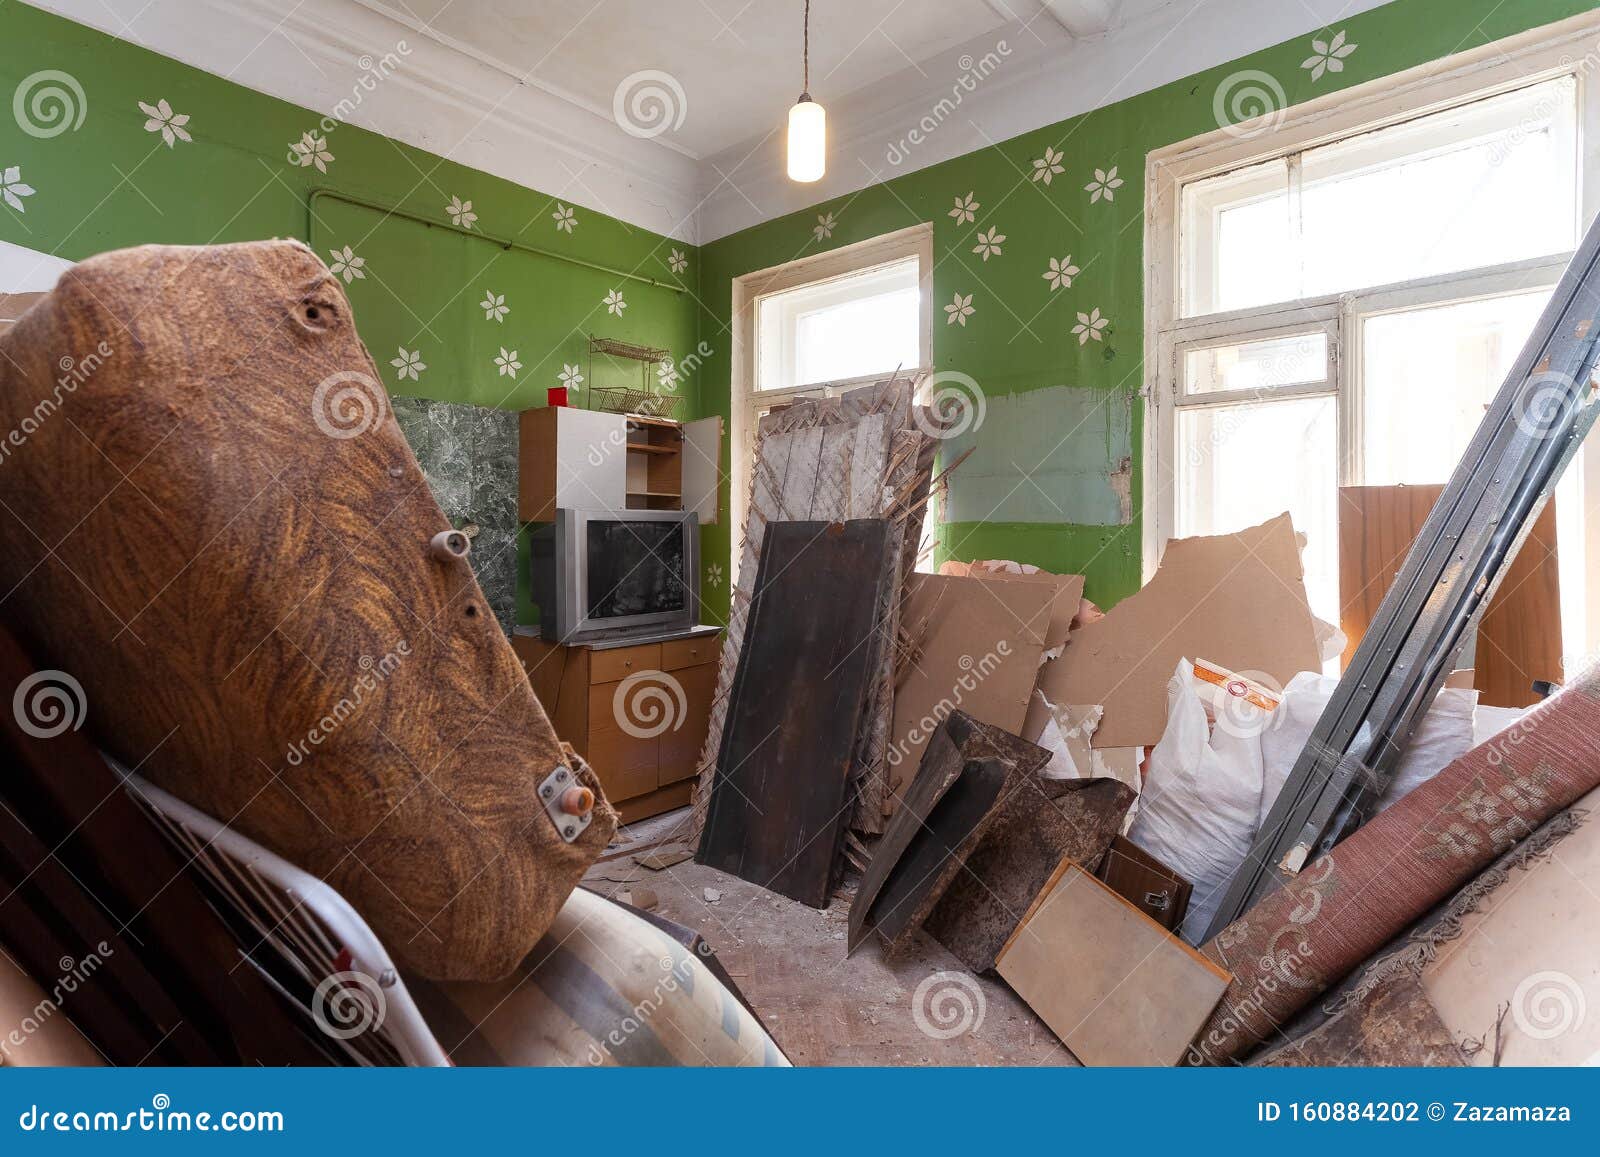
(941, 820)
(1036, 823)
(780, 799)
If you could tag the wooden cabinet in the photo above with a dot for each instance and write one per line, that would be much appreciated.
(639, 714)
(595, 460)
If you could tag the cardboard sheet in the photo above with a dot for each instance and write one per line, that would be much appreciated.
(1114, 985)
(975, 646)
(1238, 599)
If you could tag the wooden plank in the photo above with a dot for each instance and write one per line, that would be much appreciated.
(1519, 637)
(779, 802)
(1114, 985)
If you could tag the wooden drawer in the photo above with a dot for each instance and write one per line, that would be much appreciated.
(611, 666)
(680, 653)
(680, 746)
(626, 766)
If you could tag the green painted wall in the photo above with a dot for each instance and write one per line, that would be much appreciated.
(110, 183)
(1019, 335)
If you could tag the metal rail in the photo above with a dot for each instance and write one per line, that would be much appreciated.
(1529, 434)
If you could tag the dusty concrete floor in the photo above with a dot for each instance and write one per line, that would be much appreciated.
(920, 1008)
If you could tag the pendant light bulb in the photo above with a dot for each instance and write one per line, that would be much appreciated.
(808, 140)
(808, 123)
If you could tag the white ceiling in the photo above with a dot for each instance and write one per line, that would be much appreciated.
(528, 89)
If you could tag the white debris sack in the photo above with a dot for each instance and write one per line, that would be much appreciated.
(1202, 794)
(1444, 734)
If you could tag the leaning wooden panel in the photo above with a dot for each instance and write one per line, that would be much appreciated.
(1114, 985)
(780, 801)
(216, 528)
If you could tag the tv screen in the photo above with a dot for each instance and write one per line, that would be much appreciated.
(634, 568)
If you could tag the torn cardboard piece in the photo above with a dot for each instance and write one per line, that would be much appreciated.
(1238, 599)
(975, 646)
(1069, 592)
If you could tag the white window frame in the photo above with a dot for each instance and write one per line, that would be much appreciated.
(1566, 48)
(746, 401)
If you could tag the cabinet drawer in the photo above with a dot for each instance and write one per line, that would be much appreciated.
(681, 653)
(626, 766)
(610, 666)
(681, 745)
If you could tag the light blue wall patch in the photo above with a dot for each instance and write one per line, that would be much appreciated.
(1042, 456)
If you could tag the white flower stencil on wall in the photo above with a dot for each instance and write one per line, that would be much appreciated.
(310, 150)
(1089, 326)
(614, 303)
(1046, 167)
(1061, 273)
(507, 363)
(966, 210)
(13, 189)
(1105, 184)
(166, 122)
(566, 220)
(824, 227)
(989, 243)
(1327, 56)
(676, 261)
(409, 364)
(460, 212)
(714, 575)
(494, 306)
(347, 265)
(667, 375)
(957, 312)
(571, 377)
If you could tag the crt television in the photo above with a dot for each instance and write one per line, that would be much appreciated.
(605, 573)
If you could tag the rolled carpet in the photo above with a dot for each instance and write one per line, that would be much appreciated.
(1304, 938)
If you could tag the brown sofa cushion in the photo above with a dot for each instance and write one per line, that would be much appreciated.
(212, 523)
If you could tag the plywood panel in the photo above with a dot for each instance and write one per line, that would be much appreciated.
(1114, 985)
(1519, 638)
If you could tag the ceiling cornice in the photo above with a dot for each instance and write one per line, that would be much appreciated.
(1031, 88)
(459, 103)
(440, 99)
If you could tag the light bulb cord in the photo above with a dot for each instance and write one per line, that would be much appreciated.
(805, 51)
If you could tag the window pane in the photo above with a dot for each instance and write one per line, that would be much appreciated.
(1483, 184)
(846, 327)
(1295, 360)
(1241, 465)
(1428, 376)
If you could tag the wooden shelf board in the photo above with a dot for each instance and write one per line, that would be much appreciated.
(649, 448)
(655, 494)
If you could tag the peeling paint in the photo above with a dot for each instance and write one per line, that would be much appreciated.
(1061, 454)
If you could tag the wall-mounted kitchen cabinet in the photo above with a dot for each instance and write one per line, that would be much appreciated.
(589, 459)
